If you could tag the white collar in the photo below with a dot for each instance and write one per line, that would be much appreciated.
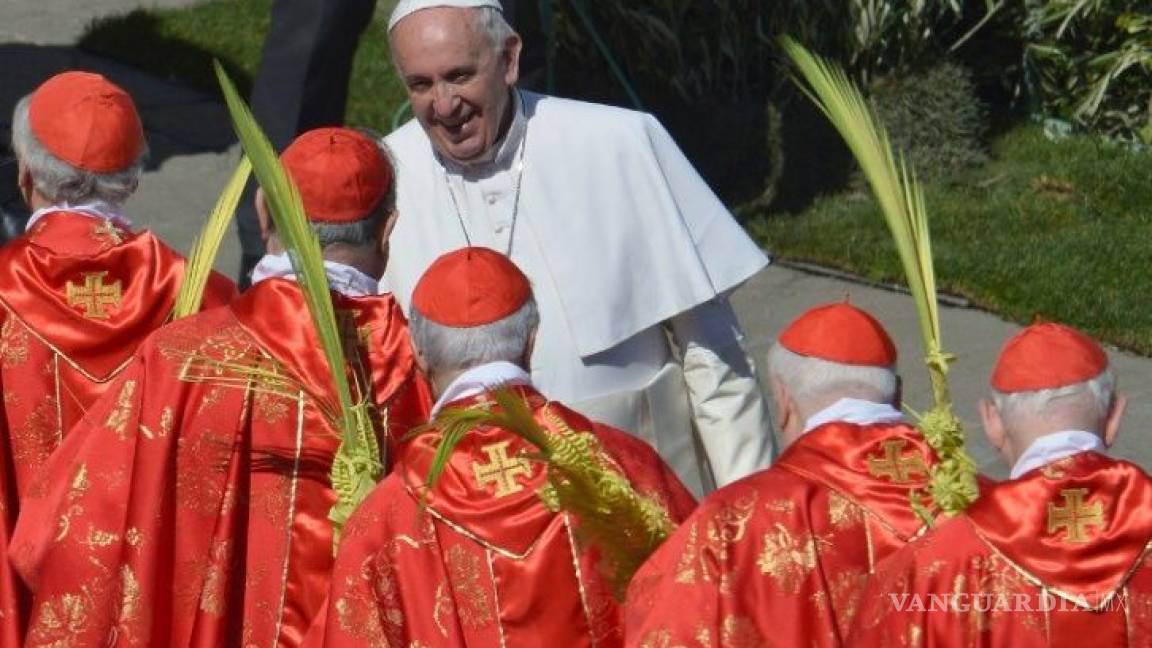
(342, 278)
(481, 379)
(1056, 446)
(856, 412)
(99, 210)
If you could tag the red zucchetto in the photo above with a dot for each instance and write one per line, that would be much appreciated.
(840, 333)
(87, 121)
(1047, 356)
(341, 174)
(470, 287)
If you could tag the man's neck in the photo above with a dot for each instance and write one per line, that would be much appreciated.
(363, 258)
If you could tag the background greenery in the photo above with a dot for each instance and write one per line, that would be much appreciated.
(1025, 224)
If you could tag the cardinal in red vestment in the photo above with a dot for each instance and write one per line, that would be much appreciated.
(190, 506)
(478, 559)
(1058, 555)
(80, 289)
(781, 557)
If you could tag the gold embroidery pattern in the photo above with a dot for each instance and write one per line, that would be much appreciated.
(94, 296)
(740, 632)
(842, 513)
(501, 470)
(271, 408)
(702, 555)
(216, 579)
(370, 608)
(107, 234)
(846, 590)
(118, 418)
(36, 438)
(13, 343)
(201, 460)
(894, 465)
(1074, 517)
(165, 426)
(59, 621)
(79, 487)
(472, 602)
(443, 608)
(788, 559)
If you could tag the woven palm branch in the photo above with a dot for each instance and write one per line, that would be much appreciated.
(901, 198)
(207, 244)
(623, 524)
(358, 464)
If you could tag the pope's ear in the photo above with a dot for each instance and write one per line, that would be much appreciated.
(511, 55)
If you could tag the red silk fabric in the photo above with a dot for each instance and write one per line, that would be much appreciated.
(54, 361)
(780, 558)
(475, 568)
(186, 512)
(1016, 583)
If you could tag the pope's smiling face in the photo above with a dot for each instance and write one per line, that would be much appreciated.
(459, 84)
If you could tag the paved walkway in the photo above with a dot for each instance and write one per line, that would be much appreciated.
(192, 158)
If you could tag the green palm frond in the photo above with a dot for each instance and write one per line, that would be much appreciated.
(625, 525)
(358, 464)
(902, 202)
(207, 244)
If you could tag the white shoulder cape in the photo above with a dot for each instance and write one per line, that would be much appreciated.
(630, 233)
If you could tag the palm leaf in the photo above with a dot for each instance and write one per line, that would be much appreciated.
(893, 182)
(357, 465)
(204, 250)
(623, 524)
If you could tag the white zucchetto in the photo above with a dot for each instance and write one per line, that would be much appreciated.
(407, 7)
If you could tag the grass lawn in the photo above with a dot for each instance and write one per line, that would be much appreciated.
(1057, 231)
(180, 43)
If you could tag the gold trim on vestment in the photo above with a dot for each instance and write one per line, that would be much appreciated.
(1075, 599)
(72, 363)
(291, 514)
(863, 507)
(580, 580)
(496, 598)
(471, 536)
(59, 405)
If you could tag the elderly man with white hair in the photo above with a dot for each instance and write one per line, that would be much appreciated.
(780, 558)
(80, 289)
(631, 255)
(478, 559)
(1058, 555)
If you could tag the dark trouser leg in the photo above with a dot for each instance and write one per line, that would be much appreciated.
(302, 84)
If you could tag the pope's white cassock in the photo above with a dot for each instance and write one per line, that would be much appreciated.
(631, 257)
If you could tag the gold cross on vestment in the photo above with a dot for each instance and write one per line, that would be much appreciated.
(1074, 516)
(94, 295)
(502, 470)
(894, 465)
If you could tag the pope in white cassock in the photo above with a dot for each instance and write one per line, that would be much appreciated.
(630, 254)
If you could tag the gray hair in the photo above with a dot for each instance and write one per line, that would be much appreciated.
(364, 231)
(490, 22)
(811, 378)
(1094, 395)
(61, 182)
(448, 348)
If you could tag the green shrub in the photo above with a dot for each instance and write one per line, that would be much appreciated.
(1089, 62)
(934, 117)
(708, 48)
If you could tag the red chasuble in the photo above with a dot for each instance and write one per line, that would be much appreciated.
(780, 558)
(485, 564)
(189, 507)
(1057, 558)
(78, 295)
